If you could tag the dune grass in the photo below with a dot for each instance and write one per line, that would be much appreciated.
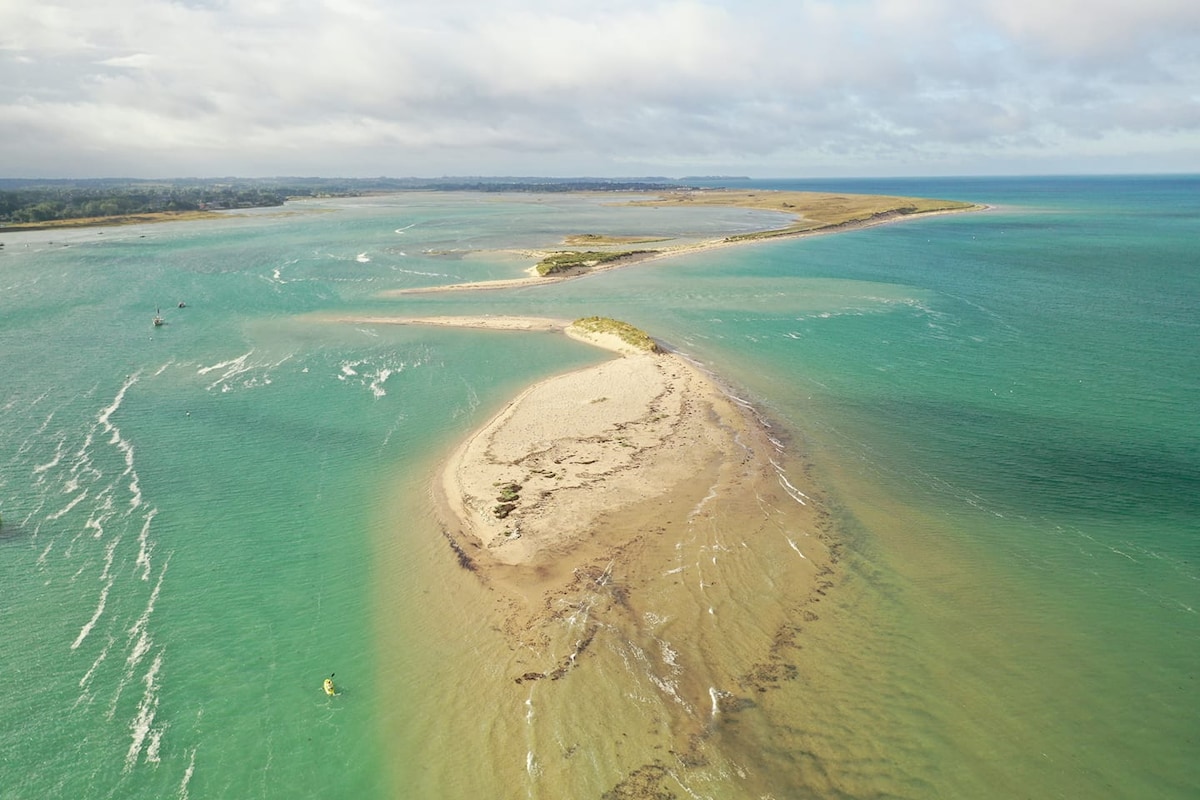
(634, 337)
(570, 260)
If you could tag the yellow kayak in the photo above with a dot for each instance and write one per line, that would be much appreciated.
(329, 688)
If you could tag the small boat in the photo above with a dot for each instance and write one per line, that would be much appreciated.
(329, 687)
(158, 320)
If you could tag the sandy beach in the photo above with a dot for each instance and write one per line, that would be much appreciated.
(576, 448)
(646, 555)
(587, 473)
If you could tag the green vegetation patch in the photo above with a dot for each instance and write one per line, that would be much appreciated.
(635, 337)
(603, 239)
(570, 260)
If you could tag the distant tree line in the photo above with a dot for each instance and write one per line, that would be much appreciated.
(47, 203)
(26, 201)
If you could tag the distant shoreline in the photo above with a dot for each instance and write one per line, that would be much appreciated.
(114, 221)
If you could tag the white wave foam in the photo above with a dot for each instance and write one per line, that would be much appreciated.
(794, 547)
(233, 362)
(104, 419)
(155, 742)
(40, 469)
(74, 502)
(797, 495)
(187, 776)
(232, 368)
(429, 274)
(140, 648)
(141, 725)
(381, 377)
(362, 258)
(45, 423)
(83, 458)
(107, 412)
(669, 655)
(101, 514)
(138, 633)
(135, 484)
(712, 495)
(670, 689)
(86, 680)
(91, 623)
(144, 546)
(740, 401)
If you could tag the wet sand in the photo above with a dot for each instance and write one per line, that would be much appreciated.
(646, 550)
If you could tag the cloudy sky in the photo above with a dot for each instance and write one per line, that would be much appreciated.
(767, 88)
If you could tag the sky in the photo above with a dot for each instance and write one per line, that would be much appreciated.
(603, 88)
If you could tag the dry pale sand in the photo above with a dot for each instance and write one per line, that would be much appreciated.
(568, 479)
(578, 447)
(607, 341)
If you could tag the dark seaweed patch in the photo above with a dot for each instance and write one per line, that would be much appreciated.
(464, 560)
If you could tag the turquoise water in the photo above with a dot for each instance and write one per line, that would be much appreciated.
(203, 520)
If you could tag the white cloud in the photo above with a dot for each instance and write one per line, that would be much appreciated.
(559, 86)
(1096, 29)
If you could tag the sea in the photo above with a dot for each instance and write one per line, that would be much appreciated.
(202, 520)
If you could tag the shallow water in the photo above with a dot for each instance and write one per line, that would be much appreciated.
(204, 520)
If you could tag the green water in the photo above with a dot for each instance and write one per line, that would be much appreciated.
(201, 521)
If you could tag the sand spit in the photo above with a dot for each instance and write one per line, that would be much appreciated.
(580, 466)
(644, 546)
(603, 340)
(814, 213)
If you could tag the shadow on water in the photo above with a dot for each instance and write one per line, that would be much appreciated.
(10, 531)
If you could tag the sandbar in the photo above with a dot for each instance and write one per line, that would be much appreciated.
(814, 214)
(579, 466)
(637, 540)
